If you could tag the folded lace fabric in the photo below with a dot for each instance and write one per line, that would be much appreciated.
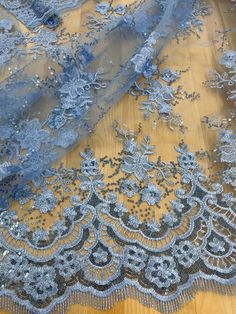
(61, 110)
(34, 13)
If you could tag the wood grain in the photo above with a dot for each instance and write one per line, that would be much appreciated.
(200, 56)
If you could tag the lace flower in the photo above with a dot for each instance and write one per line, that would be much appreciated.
(217, 246)
(31, 135)
(129, 187)
(103, 8)
(56, 119)
(15, 267)
(170, 219)
(137, 164)
(228, 59)
(120, 9)
(39, 235)
(142, 60)
(100, 255)
(186, 253)
(177, 206)
(134, 221)
(151, 195)
(120, 209)
(161, 271)
(40, 282)
(67, 263)
(135, 258)
(70, 213)
(153, 226)
(187, 159)
(46, 202)
(229, 176)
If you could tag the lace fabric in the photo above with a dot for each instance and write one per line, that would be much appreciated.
(82, 92)
(106, 228)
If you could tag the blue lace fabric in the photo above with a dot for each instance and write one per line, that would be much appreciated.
(73, 234)
(91, 81)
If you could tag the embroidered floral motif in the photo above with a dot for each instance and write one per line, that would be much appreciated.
(228, 59)
(39, 235)
(46, 202)
(135, 258)
(162, 271)
(186, 160)
(103, 7)
(170, 219)
(141, 61)
(16, 267)
(129, 187)
(134, 221)
(187, 253)
(217, 246)
(151, 195)
(120, 209)
(100, 256)
(67, 264)
(137, 164)
(31, 135)
(229, 176)
(40, 283)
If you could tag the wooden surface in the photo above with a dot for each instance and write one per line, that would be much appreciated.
(200, 56)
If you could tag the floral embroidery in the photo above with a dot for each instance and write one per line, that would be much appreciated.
(186, 160)
(120, 209)
(151, 195)
(16, 267)
(129, 187)
(103, 7)
(141, 61)
(40, 282)
(39, 235)
(134, 221)
(31, 135)
(162, 271)
(187, 253)
(137, 164)
(46, 202)
(228, 59)
(135, 258)
(100, 256)
(229, 176)
(67, 264)
(217, 246)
